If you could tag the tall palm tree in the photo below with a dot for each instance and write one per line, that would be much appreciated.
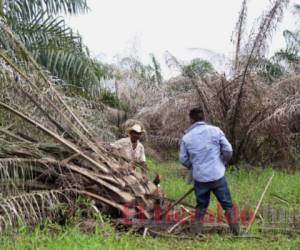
(53, 44)
(290, 55)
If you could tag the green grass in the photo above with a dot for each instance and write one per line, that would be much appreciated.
(246, 187)
(106, 237)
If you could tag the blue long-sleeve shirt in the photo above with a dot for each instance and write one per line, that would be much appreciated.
(205, 148)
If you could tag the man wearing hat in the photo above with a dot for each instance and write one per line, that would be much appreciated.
(131, 148)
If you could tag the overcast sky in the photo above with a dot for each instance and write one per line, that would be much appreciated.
(114, 27)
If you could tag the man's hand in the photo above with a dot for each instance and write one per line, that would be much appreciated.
(226, 156)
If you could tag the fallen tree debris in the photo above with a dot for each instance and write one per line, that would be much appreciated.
(48, 154)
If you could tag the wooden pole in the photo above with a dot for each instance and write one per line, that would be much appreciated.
(178, 201)
(259, 203)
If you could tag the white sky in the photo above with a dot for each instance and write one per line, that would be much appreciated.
(153, 26)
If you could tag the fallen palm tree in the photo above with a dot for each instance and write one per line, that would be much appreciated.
(50, 156)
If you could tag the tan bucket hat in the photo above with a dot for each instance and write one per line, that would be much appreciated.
(137, 128)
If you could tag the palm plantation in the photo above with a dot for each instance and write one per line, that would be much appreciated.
(63, 187)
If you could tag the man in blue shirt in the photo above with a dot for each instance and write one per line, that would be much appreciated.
(205, 150)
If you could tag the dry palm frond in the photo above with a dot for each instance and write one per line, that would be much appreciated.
(31, 208)
(255, 50)
(49, 154)
(257, 43)
(240, 26)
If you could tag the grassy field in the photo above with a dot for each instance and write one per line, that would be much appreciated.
(106, 238)
(246, 187)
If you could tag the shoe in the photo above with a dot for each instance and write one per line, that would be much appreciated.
(197, 225)
(196, 228)
(235, 229)
(233, 221)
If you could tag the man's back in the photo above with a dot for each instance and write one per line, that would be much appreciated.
(205, 149)
(202, 146)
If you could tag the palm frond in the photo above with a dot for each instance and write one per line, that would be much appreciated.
(46, 30)
(58, 49)
(31, 208)
(292, 39)
(72, 66)
(71, 155)
(44, 84)
(257, 47)
(239, 31)
(28, 9)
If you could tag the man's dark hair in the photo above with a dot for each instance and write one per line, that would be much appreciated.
(197, 114)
